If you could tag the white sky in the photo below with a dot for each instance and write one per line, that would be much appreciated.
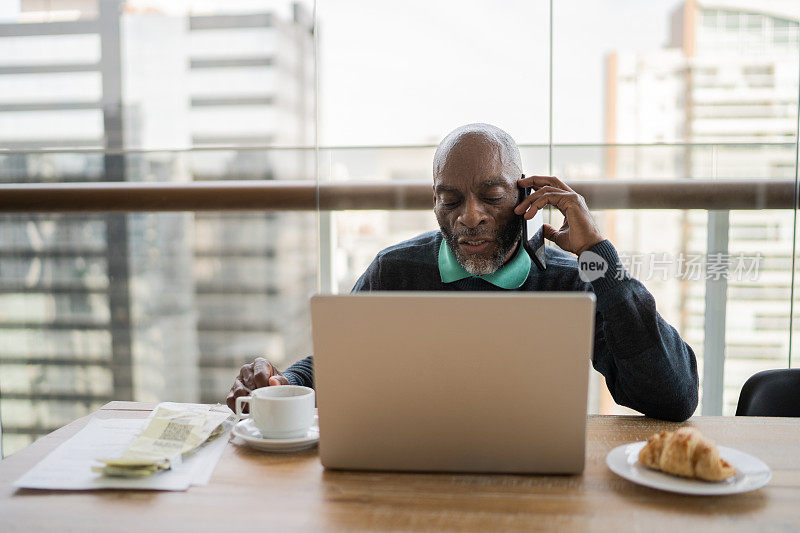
(9, 9)
(409, 72)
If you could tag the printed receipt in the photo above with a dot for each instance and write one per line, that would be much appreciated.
(69, 467)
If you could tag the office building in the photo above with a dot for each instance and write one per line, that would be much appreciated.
(728, 75)
(162, 306)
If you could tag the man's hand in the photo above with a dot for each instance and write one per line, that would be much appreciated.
(579, 231)
(259, 373)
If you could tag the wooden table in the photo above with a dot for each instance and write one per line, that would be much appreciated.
(255, 491)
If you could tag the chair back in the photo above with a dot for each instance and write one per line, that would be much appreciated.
(771, 393)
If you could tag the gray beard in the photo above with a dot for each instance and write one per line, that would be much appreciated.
(479, 266)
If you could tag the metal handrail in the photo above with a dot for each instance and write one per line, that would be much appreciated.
(746, 194)
(99, 149)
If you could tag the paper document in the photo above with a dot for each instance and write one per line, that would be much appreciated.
(167, 438)
(69, 467)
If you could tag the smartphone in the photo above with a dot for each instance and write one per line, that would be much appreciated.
(533, 233)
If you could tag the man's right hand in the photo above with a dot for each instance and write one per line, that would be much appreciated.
(259, 373)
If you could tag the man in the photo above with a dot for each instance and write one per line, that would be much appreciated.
(476, 174)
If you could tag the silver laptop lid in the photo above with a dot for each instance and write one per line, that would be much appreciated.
(464, 382)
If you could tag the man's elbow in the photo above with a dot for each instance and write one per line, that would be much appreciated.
(679, 409)
(684, 394)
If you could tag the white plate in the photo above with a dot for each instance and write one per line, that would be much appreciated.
(248, 432)
(751, 473)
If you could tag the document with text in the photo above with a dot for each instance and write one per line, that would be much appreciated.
(69, 467)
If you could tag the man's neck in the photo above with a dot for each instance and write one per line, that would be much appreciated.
(511, 253)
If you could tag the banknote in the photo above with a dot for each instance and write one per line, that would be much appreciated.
(166, 439)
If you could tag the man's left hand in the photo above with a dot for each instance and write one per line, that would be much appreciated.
(579, 231)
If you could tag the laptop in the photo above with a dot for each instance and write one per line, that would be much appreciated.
(453, 382)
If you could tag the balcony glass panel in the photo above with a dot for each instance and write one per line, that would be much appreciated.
(153, 304)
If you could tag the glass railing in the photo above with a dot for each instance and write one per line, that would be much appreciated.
(154, 274)
(167, 300)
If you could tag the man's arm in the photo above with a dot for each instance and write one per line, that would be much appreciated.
(301, 372)
(647, 366)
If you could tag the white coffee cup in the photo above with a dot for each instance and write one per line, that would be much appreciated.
(280, 412)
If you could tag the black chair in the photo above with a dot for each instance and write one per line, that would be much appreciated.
(771, 393)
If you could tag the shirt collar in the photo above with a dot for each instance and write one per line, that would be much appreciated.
(509, 276)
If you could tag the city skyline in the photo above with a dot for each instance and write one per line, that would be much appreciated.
(382, 108)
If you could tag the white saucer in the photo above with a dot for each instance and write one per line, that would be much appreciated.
(751, 473)
(248, 432)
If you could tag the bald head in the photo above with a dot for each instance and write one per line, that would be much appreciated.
(476, 145)
(475, 191)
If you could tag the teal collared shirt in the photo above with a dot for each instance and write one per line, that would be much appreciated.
(509, 276)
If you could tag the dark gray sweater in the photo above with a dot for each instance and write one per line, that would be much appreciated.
(647, 366)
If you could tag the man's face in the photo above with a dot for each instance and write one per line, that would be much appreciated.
(474, 199)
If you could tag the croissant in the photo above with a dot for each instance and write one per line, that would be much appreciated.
(687, 453)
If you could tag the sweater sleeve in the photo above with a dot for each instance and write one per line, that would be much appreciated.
(302, 372)
(647, 366)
